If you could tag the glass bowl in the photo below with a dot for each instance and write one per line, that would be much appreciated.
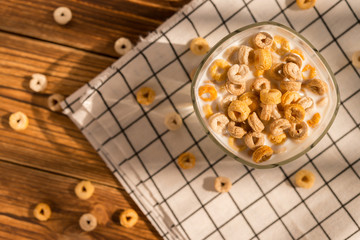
(310, 52)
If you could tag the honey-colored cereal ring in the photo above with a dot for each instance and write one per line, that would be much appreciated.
(235, 89)
(290, 86)
(199, 46)
(218, 122)
(87, 222)
(207, 110)
(251, 99)
(276, 71)
(307, 103)
(291, 71)
(262, 154)
(42, 212)
(314, 121)
(222, 184)
(219, 69)
(186, 160)
(246, 55)
(294, 58)
(298, 131)
(289, 97)
(255, 123)
(145, 96)
(263, 40)
(295, 113)
(225, 102)
(355, 59)
(18, 121)
(312, 72)
(277, 140)
(259, 73)
(270, 96)
(284, 45)
(237, 74)
(210, 91)
(304, 179)
(278, 126)
(316, 86)
(254, 140)
(84, 190)
(238, 111)
(263, 59)
(128, 218)
(236, 147)
(305, 4)
(260, 84)
(235, 131)
(173, 121)
(266, 111)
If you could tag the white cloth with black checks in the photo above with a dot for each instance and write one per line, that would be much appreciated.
(262, 204)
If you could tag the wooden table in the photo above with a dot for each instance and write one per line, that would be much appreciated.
(46, 161)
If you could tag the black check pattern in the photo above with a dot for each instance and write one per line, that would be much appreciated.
(155, 196)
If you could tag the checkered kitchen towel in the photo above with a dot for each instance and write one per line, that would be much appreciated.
(262, 204)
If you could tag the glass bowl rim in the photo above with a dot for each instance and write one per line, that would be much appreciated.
(200, 118)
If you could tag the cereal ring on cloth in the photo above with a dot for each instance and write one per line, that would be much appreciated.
(145, 96)
(222, 184)
(305, 4)
(173, 121)
(186, 160)
(304, 179)
(199, 46)
(355, 59)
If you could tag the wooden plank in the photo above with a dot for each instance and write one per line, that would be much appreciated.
(95, 25)
(21, 188)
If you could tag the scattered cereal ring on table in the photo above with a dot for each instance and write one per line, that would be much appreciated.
(312, 72)
(298, 131)
(38, 82)
(42, 212)
(199, 46)
(295, 113)
(54, 102)
(355, 59)
(219, 69)
(84, 190)
(305, 4)
(316, 86)
(278, 126)
(238, 111)
(254, 140)
(145, 96)
(218, 122)
(262, 154)
(263, 40)
(186, 160)
(62, 15)
(128, 218)
(237, 74)
(122, 46)
(314, 121)
(270, 96)
(222, 184)
(235, 131)
(18, 121)
(207, 93)
(304, 179)
(88, 222)
(173, 121)
(277, 140)
(263, 59)
(246, 55)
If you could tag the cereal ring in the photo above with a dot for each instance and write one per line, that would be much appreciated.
(246, 55)
(314, 121)
(209, 91)
(231, 54)
(238, 111)
(291, 57)
(355, 59)
(270, 96)
(54, 102)
(254, 140)
(305, 4)
(307, 103)
(255, 123)
(122, 46)
(278, 126)
(186, 160)
(145, 96)
(295, 113)
(263, 40)
(62, 15)
(42, 212)
(263, 59)
(316, 86)
(235, 89)
(291, 71)
(237, 74)
(84, 190)
(322, 102)
(128, 218)
(18, 121)
(304, 179)
(235, 131)
(218, 122)
(277, 140)
(298, 52)
(251, 100)
(280, 45)
(260, 84)
(207, 110)
(275, 114)
(289, 97)
(87, 222)
(298, 131)
(276, 71)
(225, 102)
(262, 154)
(222, 184)
(312, 72)
(219, 69)
(266, 111)
(237, 148)
(199, 46)
(290, 86)
(38, 82)
(259, 73)
(173, 121)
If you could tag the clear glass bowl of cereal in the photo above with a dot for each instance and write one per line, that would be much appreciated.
(265, 95)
